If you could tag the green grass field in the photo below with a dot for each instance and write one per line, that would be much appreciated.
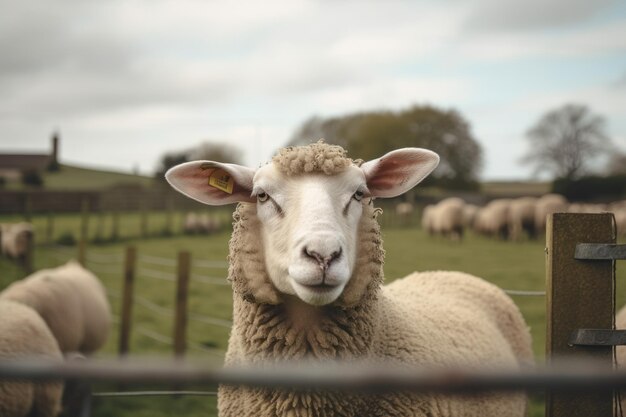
(517, 266)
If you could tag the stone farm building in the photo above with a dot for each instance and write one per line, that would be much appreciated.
(13, 165)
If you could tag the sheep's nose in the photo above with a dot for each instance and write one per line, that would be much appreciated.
(323, 261)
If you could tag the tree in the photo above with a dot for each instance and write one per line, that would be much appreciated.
(371, 134)
(617, 164)
(212, 151)
(566, 141)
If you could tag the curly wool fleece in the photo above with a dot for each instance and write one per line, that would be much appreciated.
(429, 318)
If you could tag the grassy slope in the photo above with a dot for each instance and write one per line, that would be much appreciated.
(510, 265)
(77, 178)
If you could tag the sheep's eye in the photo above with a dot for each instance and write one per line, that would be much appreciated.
(262, 197)
(358, 195)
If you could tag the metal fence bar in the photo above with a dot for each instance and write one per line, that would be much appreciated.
(204, 279)
(580, 377)
(526, 293)
(151, 273)
(203, 263)
(166, 340)
(157, 260)
(210, 320)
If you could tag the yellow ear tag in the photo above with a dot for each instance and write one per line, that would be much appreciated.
(222, 180)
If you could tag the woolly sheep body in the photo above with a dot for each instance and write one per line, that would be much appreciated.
(425, 318)
(72, 302)
(521, 217)
(448, 217)
(23, 333)
(495, 216)
(427, 219)
(547, 204)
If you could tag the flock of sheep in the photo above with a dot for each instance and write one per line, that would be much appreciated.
(53, 313)
(512, 219)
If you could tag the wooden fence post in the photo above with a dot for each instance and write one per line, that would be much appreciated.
(579, 294)
(180, 319)
(50, 228)
(115, 225)
(84, 231)
(143, 213)
(127, 300)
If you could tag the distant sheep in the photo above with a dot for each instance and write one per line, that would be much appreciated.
(547, 204)
(16, 240)
(521, 218)
(494, 218)
(428, 219)
(306, 263)
(200, 223)
(470, 211)
(72, 302)
(24, 334)
(448, 218)
(404, 211)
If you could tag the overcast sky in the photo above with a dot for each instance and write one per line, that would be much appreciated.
(124, 80)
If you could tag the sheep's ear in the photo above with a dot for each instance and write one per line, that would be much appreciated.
(398, 171)
(212, 183)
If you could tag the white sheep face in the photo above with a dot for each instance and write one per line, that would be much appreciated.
(309, 226)
(309, 222)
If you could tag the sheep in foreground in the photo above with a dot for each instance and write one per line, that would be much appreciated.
(306, 262)
(72, 302)
(24, 334)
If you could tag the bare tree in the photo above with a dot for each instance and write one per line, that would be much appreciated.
(566, 141)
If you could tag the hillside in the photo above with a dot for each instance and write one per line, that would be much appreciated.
(78, 178)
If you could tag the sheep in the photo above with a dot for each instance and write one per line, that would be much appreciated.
(470, 212)
(546, 204)
(191, 223)
(72, 302)
(448, 218)
(404, 211)
(619, 210)
(494, 218)
(521, 217)
(427, 219)
(23, 334)
(17, 240)
(306, 262)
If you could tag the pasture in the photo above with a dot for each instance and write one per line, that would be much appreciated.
(513, 266)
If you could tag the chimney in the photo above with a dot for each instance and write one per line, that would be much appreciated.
(53, 165)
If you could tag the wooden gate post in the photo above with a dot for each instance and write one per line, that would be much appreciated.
(580, 294)
(127, 300)
(180, 319)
